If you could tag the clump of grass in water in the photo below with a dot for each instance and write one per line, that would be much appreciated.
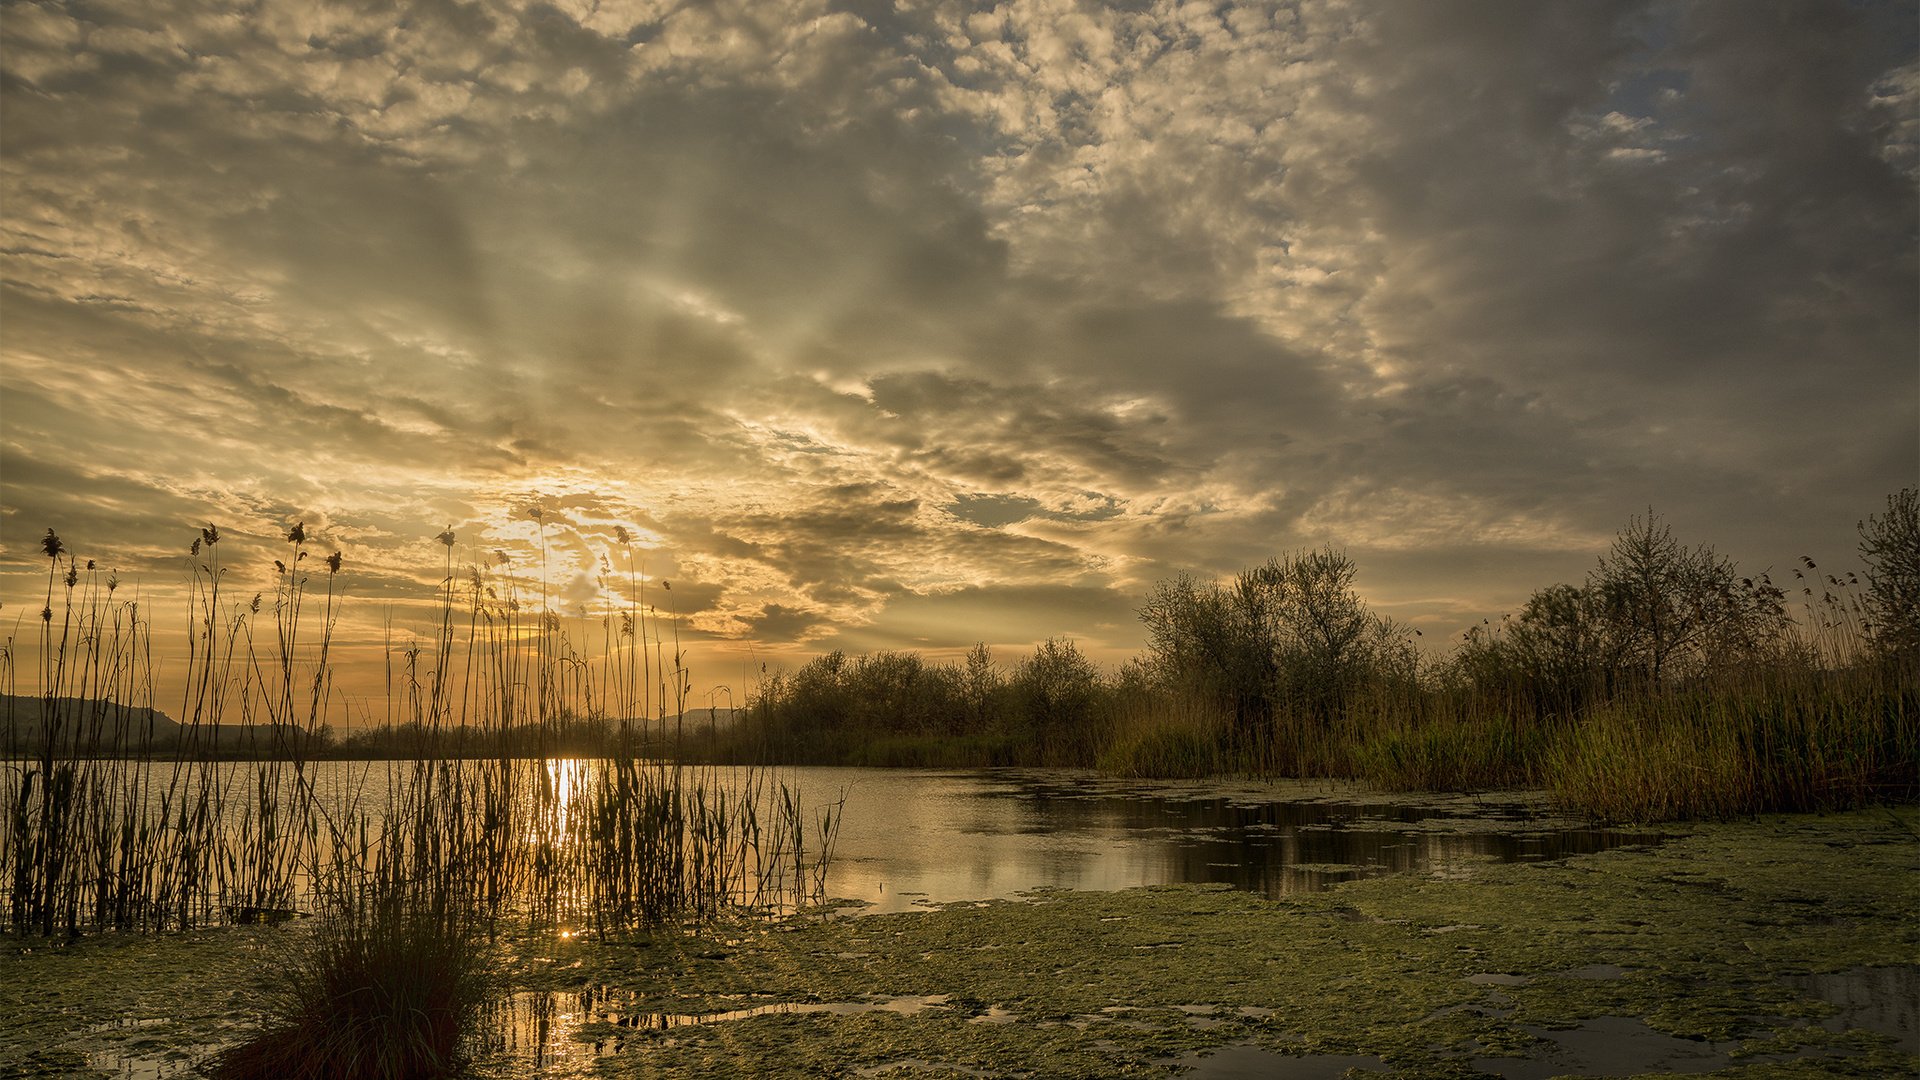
(387, 987)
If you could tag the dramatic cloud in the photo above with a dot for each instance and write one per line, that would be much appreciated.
(883, 325)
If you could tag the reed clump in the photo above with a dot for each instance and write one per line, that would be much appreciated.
(1165, 736)
(386, 986)
(1456, 753)
(1828, 743)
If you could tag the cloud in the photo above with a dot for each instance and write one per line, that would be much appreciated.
(926, 323)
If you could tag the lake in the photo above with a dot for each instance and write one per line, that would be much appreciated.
(910, 838)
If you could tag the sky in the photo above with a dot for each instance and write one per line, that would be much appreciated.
(910, 325)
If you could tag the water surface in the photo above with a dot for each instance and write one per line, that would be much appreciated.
(916, 837)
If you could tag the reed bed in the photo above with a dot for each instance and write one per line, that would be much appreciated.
(110, 826)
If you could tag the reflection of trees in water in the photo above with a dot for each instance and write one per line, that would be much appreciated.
(1279, 848)
(1883, 999)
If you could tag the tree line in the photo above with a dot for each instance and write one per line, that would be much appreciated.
(1284, 667)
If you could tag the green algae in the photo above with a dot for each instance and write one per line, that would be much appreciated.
(1426, 973)
(157, 998)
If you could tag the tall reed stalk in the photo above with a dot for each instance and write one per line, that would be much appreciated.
(108, 826)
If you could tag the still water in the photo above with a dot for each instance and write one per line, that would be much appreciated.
(917, 837)
(913, 838)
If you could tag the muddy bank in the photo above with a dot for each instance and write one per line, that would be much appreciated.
(1783, 946)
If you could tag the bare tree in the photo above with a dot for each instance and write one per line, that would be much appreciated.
(1670, 606)
(1890, 545)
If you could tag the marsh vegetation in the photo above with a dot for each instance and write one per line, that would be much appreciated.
(1667, 684)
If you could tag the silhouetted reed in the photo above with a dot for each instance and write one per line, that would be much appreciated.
(110, 823)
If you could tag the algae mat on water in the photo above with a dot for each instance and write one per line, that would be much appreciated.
(1712, 937)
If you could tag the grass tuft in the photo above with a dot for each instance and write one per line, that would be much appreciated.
(382, 987)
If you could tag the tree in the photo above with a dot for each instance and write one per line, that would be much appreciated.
(1291, 633)
(1667, 606)
(1890, 545)
(1557, 637)
(1563, 647)
(1324, 628)
(980, 686)
(1219, 643)
(889, 691)
(1055, 692)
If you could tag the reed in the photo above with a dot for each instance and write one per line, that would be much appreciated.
(1165, 736)
(1825, 742)
(108, 825)
(1455, 753)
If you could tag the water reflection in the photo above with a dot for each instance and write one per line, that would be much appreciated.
(912, 838)
(905, 837)
(1880, 999)
(559, 1033)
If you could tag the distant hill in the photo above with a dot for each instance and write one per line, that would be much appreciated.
(95, 723)
(106, 727)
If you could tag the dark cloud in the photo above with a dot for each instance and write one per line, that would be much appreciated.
(1007, 617)
(778, 624)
